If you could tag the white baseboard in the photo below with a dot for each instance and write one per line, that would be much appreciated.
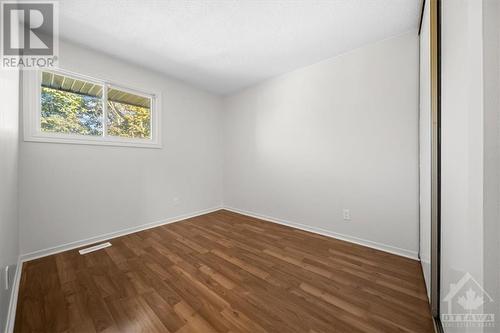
(100, 238)
(11, 312)
(375, 245)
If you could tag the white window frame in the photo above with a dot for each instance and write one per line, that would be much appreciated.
(32, 82)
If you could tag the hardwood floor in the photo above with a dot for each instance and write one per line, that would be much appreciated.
(223, 272)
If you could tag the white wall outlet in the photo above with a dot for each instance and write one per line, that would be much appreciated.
(176, 201)
(6, 278)
(346, 213)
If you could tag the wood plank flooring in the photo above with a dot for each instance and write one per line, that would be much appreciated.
(223, 272)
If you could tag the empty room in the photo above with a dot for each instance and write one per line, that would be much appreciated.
(302, 166)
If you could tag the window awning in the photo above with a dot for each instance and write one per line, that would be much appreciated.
(65, 83)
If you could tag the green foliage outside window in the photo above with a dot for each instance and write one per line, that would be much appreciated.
(66, 112)
(129, 121)
(72, 113)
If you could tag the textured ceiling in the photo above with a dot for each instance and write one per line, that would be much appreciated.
(224, 46)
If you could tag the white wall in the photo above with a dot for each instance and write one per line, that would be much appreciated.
(9, 149)
(425, 148)
(491, 70)
(342, 133)
(462, 144)
(72, 192)
(462, 138)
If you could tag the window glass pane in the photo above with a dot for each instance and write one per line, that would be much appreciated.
(70, 105)
(129, 115)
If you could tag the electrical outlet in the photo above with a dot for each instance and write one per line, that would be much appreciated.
(6, 278)
(346, 213)
(176, 201)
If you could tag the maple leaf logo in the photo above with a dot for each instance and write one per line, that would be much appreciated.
(471, 301)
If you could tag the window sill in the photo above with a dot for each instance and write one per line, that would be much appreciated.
(97, 141)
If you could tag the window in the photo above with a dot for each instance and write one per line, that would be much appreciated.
(128, 115)
(70, 108)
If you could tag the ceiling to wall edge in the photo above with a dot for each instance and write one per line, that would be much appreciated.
(180, 81)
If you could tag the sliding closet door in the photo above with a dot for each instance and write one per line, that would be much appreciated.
(425, 147)
(435, 158)
(430, 154)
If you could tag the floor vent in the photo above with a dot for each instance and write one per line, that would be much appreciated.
(95, 248)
